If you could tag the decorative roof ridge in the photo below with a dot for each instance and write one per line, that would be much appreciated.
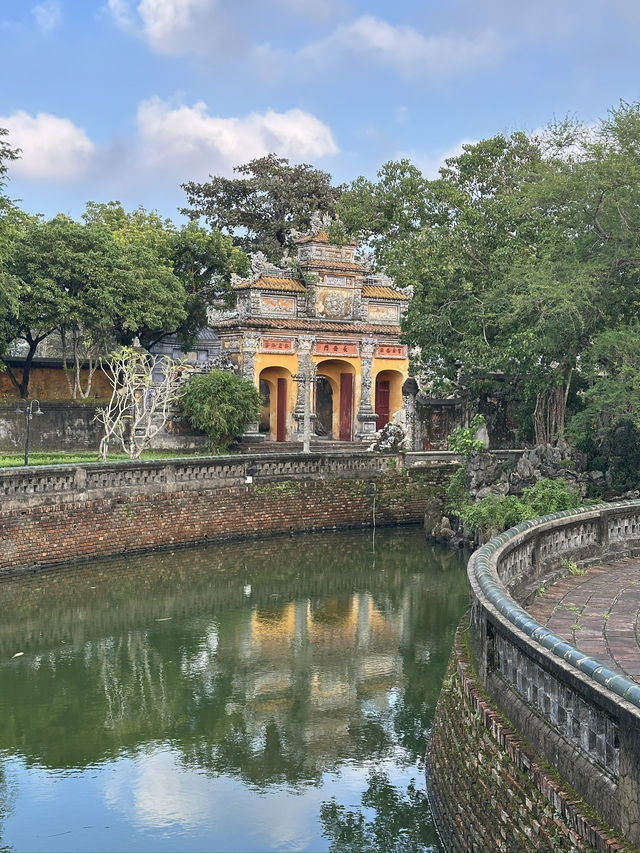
(320, 237)
(269, 281)
(384, 291)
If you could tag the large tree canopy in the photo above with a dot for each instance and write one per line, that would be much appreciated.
(78, 280)
(11, 219)
(520, 253)
(261, 208)
(202, 260)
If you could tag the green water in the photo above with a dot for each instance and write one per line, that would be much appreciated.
(265, 695)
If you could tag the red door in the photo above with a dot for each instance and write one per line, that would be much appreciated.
(382, 402)
(281, 411)
(346, 406)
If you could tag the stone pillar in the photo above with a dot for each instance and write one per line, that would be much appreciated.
(409, 391)
(306, 368)
(367, 418)
(250, 345)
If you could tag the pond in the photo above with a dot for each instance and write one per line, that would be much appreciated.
(262, 695)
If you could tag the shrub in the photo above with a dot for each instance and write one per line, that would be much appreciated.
(220, 404)
(496, 513)
(462, 440)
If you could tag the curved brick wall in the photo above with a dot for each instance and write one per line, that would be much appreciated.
(547, 732)
(52, 514)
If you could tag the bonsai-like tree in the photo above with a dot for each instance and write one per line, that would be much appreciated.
(146, 389)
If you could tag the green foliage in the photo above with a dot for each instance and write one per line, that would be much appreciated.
(457, 491)
(220, 404)
(496, 513)
(11, 220)
(462, 439)
(261, 208)
(617, 453)
(16, 460)
(401, 821)
(7, 154)
(79, 280)
(608, 427)
(201, 260)
(520, 254)
(572, 567)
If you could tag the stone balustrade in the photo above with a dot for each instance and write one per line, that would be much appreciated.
(32, 486)
(580, 716)
(51, 515)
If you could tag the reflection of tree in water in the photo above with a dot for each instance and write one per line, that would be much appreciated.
(280, 686)
(7, 800)
(401, 822)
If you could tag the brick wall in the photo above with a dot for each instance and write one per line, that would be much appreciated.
(488, 790)
(52, 515)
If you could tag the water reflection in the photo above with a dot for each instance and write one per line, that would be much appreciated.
(401, 821)
(194, 687)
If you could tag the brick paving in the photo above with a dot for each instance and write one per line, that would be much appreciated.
(599, 612)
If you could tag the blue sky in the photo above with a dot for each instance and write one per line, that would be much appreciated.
(126, 99)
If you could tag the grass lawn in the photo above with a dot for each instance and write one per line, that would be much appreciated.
(14, 460)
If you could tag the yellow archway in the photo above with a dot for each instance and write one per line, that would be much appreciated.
(386, 392)
(341, 376)
(279, 402)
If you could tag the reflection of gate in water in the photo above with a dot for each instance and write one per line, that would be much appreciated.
(324, 407)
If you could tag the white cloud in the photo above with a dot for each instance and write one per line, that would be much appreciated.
(404, 47)
(180, 27)
(191, 138)
(173, 143)
(171, 26)
(48, 15)
(53, 148)
(122, 14)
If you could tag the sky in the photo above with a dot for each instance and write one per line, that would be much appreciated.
(127, 99)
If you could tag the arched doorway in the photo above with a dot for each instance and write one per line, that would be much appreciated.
(340, 379)
(388, 395)
(277, 402)
(265, 416)
(324, 407)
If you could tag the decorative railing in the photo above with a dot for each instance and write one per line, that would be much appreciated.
(580, 715)
(34, 485)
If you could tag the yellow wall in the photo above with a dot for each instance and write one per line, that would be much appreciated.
(332, 368)
(271, 366)
(271, 374)
(396, 370)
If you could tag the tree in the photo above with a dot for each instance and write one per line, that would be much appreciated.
(608, 426)
(400, 822)
(220, 404)
(10, 221)
(145, 391)
(260, 209)
(203, 261)
(77, 279)
(519, 254)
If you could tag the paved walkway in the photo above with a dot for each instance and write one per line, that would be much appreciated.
(599, 612)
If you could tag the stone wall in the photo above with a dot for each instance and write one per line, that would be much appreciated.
(71, 426)
(54, 514)
(62, 425)
(489, 790)
(576, 715)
